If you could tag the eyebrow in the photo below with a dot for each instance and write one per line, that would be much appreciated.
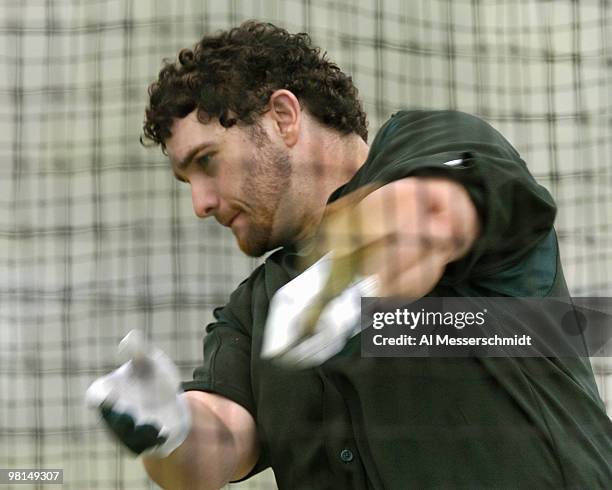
(184, 163)
(190, 154)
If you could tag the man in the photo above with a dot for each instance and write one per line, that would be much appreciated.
(271, 138)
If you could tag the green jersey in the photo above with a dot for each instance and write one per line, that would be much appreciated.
(397, 423)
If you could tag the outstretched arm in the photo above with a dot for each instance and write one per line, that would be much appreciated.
(406, 232)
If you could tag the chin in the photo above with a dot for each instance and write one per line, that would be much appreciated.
(257, 241)
(253, 249)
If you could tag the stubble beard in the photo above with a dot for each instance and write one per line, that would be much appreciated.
(268, 180)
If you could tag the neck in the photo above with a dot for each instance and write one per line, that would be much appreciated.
(340, 157)
(336, 159)
(355, 154)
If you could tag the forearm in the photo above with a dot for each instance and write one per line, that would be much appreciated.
(209, 458)
(405, 233)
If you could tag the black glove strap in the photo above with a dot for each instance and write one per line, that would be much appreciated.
(137, 438)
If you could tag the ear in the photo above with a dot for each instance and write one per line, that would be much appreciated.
(286, 113)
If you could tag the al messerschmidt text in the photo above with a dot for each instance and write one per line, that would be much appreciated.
(430, 339)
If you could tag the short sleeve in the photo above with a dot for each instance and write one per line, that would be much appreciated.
(226, 367)
(515, 211)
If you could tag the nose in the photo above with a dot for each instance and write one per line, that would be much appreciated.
(204, 197)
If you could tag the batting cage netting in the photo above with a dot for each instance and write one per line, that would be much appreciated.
(97, 238)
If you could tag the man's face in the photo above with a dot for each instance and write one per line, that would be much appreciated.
(239, 176)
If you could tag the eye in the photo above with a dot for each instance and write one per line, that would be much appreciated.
(203, 160)
(207, 163)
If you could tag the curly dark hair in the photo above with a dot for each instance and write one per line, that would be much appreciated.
(238, 70)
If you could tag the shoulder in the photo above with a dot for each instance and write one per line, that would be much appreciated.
(447, 116)
(422, 133)
(442, 127)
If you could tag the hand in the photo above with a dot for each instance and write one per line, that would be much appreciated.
(288, 337)
(140, 400)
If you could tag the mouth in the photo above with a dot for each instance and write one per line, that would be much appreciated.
(231, 221)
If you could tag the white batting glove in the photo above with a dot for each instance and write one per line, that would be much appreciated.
(141, 401)
(287, 341)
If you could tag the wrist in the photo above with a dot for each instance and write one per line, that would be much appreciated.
(179, 413)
